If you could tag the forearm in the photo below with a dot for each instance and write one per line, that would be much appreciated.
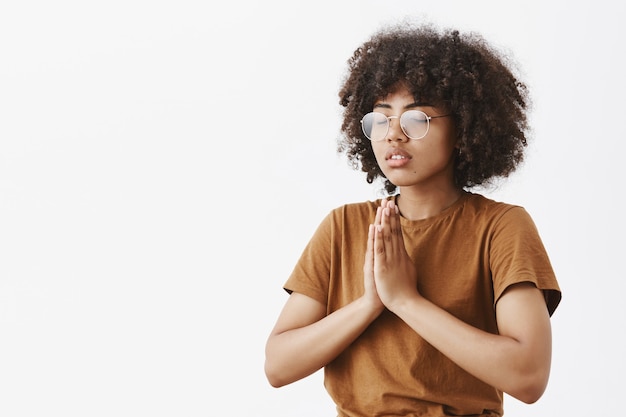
(294, 354)
(517, 367)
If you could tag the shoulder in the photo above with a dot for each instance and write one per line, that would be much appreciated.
(480, 203)
(349, 216)
(486, 209)
(365, 210)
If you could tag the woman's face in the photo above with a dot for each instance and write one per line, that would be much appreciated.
(424, 162)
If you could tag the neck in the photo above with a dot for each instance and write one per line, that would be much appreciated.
(416, 205)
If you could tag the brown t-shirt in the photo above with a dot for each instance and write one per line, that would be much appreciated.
(466, 257)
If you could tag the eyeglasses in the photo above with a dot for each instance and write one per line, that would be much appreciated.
(414, 124)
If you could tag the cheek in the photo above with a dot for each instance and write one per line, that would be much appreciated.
(379, 153)
(442, 155)
(443, 144)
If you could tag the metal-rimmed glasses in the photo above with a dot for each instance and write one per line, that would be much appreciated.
(414, 124)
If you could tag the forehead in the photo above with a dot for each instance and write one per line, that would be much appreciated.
(400, 102)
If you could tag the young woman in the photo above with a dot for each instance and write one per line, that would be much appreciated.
(435, 300)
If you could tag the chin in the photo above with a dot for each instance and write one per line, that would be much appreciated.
(402, 182)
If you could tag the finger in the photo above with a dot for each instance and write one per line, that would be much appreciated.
(378, 218)
(384, 205)
(379, 245)
(387, 222)
(391, 230)
(382, 245)
(394, 222)
(369, 250)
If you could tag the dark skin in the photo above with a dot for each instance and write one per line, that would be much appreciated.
(305, 339)
(459, 73)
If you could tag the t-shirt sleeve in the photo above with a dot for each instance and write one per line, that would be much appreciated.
(518, 255)
(311, 273)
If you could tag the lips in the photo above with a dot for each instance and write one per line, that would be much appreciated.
(397, 153)
(397, 157)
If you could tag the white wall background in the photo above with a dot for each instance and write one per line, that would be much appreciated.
(162, 165)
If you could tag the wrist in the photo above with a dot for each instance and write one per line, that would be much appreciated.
(370, 306)
(405, 303)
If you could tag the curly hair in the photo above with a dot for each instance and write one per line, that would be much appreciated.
(459, 72)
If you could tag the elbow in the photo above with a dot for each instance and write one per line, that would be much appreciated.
(274, 382)
(275, 367)
(273, 377)
(528, 396)
(530, 389)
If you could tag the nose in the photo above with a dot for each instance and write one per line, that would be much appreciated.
(395, 132)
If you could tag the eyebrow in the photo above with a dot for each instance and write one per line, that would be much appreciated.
(408, 106)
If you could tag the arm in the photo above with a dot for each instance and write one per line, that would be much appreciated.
(516, 361)
(305, 339)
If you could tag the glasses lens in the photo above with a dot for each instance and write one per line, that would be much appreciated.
(414, 123)
(375, 126)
